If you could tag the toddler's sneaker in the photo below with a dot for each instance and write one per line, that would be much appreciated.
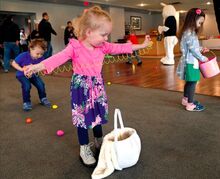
(45, 102)
(86, 156)
(193, 107)
(27, 106)
(129, 62)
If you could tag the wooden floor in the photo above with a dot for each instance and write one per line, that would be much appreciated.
(152, 74)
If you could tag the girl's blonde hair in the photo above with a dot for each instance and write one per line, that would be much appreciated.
(91, 18)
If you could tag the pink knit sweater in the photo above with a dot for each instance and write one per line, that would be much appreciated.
(85, 62)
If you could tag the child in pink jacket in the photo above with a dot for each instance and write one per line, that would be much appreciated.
(88, 96)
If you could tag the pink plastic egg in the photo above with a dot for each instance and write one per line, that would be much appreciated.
(60, 133)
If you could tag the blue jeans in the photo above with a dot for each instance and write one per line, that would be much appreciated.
(8, 48)
(49, 51)
(26, 87)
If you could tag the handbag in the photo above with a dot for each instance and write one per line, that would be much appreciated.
(127, 143)
(120, 149)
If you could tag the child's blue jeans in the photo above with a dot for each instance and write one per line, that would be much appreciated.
(26, 87)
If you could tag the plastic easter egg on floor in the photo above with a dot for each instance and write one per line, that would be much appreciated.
(60, 133)
(28, 120)
(109, 83)
(54, 106)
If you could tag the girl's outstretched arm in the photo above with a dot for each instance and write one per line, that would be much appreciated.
(31, 69)
(146, 43)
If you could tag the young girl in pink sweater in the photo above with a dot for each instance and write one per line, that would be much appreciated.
(88, 96)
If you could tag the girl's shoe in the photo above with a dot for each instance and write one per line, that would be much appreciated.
(193, 107)
(27, 106)
(86, 155)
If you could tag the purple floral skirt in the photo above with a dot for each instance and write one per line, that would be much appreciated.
(88, 101)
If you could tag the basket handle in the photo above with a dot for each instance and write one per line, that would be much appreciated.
(117, 116)
(210, 51)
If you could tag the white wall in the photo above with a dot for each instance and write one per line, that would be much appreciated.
(210, 25)
(118, 22)
(149, 21)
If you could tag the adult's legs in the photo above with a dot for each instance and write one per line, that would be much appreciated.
(169, 43)
(7, 54)
(8, 48)
(49, 51)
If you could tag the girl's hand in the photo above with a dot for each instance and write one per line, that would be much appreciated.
(204, 50)
(30, 69)
(147, 41)
(28, 72)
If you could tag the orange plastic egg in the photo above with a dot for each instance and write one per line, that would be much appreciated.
(28, 120)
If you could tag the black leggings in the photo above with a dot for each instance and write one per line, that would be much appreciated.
(189, 90)
(83, 136)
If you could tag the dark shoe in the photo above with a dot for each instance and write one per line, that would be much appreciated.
(193, 107)
(27, 106)
(128, 62)
(45, 102)
(139, 63)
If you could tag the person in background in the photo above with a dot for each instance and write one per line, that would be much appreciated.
(69, 33)
(9, 40)
(133, 39)
(35, 33)
(23, 40)
(45, 30)
(88, 95)
(33, 56)
(188, 67)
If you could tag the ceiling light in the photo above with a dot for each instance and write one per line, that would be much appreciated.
(182, 11)
(142, 4)
(208, 3)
